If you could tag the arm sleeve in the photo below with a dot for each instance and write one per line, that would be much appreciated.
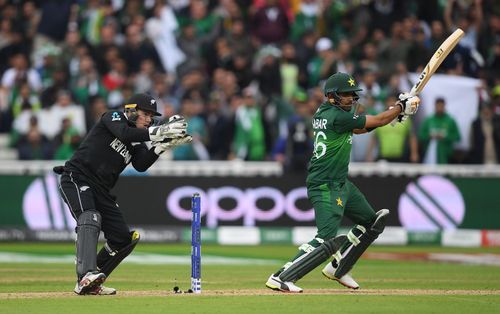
(116, 122)
(142, 157)
(346, 122)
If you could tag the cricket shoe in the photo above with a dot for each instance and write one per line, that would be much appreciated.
(275, 283)
(89, 282)
(102, 290)
(346, 280)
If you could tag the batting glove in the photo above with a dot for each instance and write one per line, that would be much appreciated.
(410, 104)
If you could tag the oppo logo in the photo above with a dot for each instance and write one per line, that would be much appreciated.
(245, 208)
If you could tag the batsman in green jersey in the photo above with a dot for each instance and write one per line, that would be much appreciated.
(332, 194)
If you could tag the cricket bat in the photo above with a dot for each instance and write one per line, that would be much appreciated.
(437, 58)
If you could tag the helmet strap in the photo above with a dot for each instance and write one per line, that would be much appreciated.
(335, 99)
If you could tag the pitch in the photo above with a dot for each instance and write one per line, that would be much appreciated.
(392, 279)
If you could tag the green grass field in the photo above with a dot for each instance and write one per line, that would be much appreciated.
(408, 286)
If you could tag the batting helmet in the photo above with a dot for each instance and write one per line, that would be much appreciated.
(341, 83)
(144, 102)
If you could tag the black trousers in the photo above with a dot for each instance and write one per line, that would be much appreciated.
(80, 195)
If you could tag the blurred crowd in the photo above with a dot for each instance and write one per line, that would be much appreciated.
(247, 74)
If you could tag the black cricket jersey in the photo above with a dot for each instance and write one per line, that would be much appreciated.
(108, 148)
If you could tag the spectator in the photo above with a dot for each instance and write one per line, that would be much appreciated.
(136, 49)
(368, 60)
(63, 108)
(31, 19)
(270, 24)
(67, 141)
(438, 134)
(206, 23)
(225, 85)
(160, 29)
(60, 81)
(396, 143)
(485, 137)
(238, 38)
(344, 59)
(384, 14)
(87, 83)
(94, 14)
(306, 19)
(116, 76)
(97, 108)
(468, 19)
(229, 12)
(194, 80)
(26, 99)
(289, 69)
(74, 47)
(192, 47)
(438, 35)
(360, 146)
(55, 18)
(220, 128)
(143, 81)
(25, 107)
(372, 90)
(268, 74)
(323, 63)
(249, 141)
(420, 54)
(21, 72)
(110, 38)
(223, 53)
(305, 50)
(34, 145)
(162, 91)
(295, 148)
(242, 69)
(191, 110)
(493, 64)
(12, 40)
(393, 50)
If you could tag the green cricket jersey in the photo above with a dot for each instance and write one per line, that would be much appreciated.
(332, 143)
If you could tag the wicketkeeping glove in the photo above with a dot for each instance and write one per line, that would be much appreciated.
(169, 143)
(175, 128)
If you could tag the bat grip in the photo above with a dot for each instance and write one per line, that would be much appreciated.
(412, 93)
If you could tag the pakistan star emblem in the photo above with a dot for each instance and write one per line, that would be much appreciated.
(351, 82)
(339, 202)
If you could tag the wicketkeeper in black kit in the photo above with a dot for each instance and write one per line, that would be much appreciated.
(116, 140)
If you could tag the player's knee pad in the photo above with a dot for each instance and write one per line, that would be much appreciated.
(90, 218)
(87, 235)
(108, 258)
(311, 259)
(359, 239)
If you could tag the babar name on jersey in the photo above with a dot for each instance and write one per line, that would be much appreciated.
(121, 149)
(319, 123)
